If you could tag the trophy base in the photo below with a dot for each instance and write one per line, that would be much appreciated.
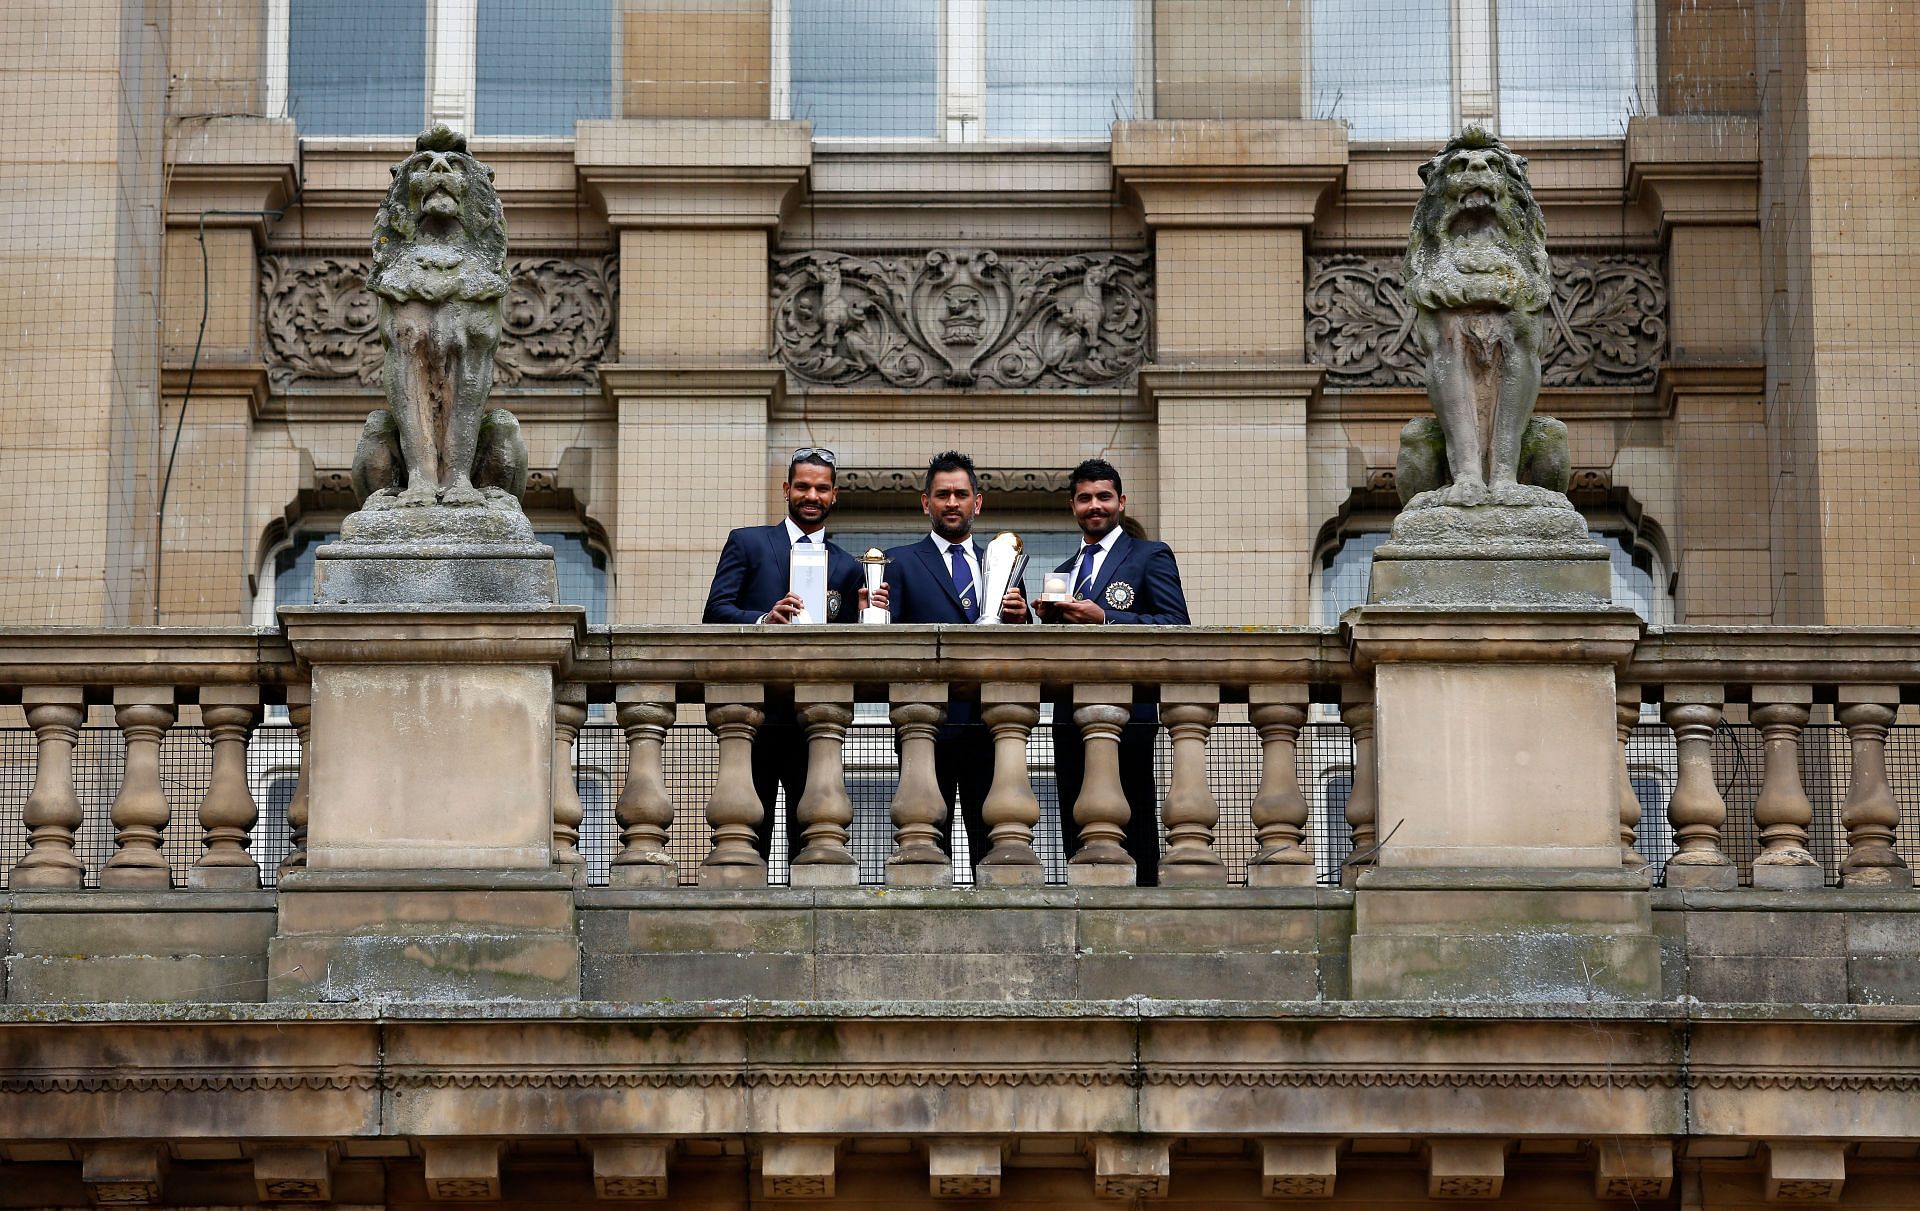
(874, 616)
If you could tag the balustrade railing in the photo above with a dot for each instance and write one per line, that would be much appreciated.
(1776, 757)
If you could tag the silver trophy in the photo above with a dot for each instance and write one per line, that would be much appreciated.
(874, 564)
(1003, 567)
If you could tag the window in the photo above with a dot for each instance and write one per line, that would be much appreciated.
(486, 67)
(959, 70)
(1422, 69)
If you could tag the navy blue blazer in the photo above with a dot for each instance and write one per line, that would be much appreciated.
(920, 589)
(753, 574)
(1138, 584)
(920, 582)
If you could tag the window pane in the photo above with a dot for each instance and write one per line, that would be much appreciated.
(1058, 69)
(357, 67)
(1385, 66)
(541, 67)
(1566, 70)
(867, 67)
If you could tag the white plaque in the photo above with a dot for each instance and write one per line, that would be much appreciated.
(807, 580)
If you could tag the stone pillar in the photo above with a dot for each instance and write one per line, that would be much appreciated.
(430, 804)
(1699, 181)
(693, 203)
(1498, 870)
(1230, 384)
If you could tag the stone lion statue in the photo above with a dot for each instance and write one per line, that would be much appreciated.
(439, 271)
(1478, 276)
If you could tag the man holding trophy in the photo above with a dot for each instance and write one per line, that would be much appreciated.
(781, 574)
(945, 578)
(1114, 579)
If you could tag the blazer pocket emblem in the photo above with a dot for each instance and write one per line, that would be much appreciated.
(833, 603)
(1120, 595)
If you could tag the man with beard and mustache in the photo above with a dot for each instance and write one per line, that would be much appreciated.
(750, 585)
(939, 579)
(1117, 579)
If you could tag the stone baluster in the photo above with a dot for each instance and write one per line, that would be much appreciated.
(140, 811)
(1783, 811)
(300, 714)
(227, 811)
(1189, 712)
(1101, 810)
(1696, 810)
(52, 814)
(1011, 809)
(1279, 809)
(918, 809)
(1870, 813)
(1363, 801)
(1626, 712)
(734, 714)
(569, 712)
(645, 811)
(824, 811)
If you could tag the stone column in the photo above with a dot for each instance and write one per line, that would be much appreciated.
(228, 812)
(1101, 811)
(918, 810)
(693, 203)
(1279, 809)
(1011, 809)
(430, 798)
(569, 712)
(1627, 715)
(300, 714)
(734, 714)
(1230, 384)
(824, 811)
(140, 809)
(52, 813)
(1699, 182)
(224, 178)
(1189, 712)
(1870, 813)
(1696, 810)
(1783, 811)
(1498, 868)
(645, 811)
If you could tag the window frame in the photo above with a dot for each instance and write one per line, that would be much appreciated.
(961, 112)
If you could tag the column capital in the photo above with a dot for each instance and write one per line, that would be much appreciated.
(231, 164)
(1222, 379)
(693, 378)
(1691, 172)
(699, 174)
(1229, 173)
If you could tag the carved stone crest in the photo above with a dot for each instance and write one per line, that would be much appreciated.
(1606, 322)
(321, 321)
(961, 317)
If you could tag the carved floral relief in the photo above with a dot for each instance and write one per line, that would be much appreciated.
(321, 321)
(961, 317)
(1606, 327)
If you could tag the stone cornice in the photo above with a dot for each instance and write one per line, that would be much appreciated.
(1695, 171)
(231, 164)
(1676, 379)
(1230, 380)
(683, 173)
(219, 379)
(433, 634)
(693, 378)
(1229, 173)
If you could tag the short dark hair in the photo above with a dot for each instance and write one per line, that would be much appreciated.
(950, 460)
(1092, 470)
(814, 458)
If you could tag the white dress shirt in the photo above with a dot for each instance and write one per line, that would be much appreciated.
(795, 534)
(973, 566)
(1105, 546)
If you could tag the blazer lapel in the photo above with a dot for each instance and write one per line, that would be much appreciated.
(1116, 556)
(935, 559)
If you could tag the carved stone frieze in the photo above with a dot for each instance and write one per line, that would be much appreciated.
(962, 317)
(1607, 322)
(909, 480)
(322, 323)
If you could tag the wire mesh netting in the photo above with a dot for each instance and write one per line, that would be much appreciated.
(1323, 765)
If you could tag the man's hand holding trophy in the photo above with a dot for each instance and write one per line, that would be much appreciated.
(1004, 567)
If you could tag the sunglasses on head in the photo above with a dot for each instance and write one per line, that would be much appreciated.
(820, 452)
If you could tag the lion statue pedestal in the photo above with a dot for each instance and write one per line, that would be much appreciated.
(1483, 481)
(439, 475)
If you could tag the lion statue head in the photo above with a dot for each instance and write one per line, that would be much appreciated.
(440, 234)
(1478, 236)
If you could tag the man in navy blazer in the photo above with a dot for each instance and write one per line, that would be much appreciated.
(1117, 579)
(750, 586)
(940, 579)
